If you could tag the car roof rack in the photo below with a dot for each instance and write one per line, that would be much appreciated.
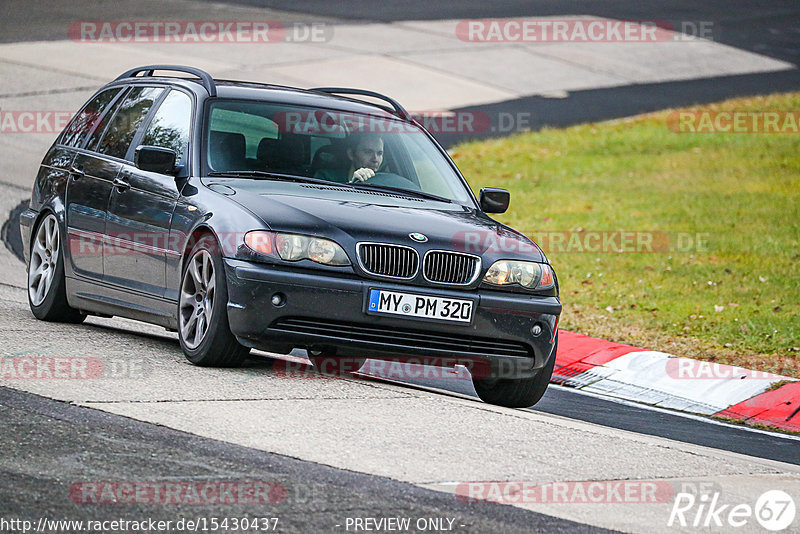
(400, 110)
(208, 81)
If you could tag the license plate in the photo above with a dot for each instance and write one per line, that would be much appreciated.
(420, 306)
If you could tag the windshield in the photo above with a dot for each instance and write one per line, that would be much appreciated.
(256, 138)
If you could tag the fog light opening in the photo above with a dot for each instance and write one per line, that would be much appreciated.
(536, 330)
(278, 300)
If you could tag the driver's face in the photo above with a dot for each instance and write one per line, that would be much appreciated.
(368, 153)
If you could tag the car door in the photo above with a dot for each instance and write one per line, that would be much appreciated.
(142, 202)
(88, 187)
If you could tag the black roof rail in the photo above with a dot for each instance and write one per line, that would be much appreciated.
(208, 81)
(363, 92)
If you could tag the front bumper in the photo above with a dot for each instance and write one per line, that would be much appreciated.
(322, 310)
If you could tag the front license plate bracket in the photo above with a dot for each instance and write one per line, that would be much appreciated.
(419, 306)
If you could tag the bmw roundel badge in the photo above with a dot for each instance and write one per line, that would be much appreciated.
(418, 237)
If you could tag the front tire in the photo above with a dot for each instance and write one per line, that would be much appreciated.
(47, 286)
(203, 328)
(516, 392)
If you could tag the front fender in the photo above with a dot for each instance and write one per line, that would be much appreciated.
(200, 210)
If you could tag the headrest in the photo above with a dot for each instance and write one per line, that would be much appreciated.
(227, 151)
(283, 153)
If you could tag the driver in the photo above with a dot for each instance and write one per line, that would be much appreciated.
(365, 152)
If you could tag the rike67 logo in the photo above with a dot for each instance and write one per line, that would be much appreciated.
(774, 510)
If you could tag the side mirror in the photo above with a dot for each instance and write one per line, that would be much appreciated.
(494, 200)
(155, 159)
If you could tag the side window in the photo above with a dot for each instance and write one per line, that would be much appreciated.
(88, 119)
(428, 175)
(97, 133)
(129, 116)
(171, 123)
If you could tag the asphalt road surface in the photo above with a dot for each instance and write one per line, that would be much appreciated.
(48, 445)
(573, 404)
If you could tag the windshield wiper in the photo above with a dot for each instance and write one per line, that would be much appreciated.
(409, 192)
(266, 175)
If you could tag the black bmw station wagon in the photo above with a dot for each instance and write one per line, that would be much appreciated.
(245, 215)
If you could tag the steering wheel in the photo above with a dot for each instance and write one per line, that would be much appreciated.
(392, 180)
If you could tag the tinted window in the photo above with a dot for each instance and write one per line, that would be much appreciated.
(88, 119)
(97, 133)
(170, 125)
(130, 113)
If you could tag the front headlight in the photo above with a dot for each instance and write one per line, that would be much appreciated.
(293, 247)
(525, 273)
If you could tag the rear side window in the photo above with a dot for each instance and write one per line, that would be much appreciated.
(88, 118)
(129, 116)
(170, 125)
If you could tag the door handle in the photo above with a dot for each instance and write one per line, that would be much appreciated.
(76, 172)
(121, 184)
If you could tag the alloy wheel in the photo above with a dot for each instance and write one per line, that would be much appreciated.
(44, 256)
(197, 298)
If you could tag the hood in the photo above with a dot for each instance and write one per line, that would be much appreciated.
(352, 216)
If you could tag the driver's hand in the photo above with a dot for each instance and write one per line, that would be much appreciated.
(362, 175)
